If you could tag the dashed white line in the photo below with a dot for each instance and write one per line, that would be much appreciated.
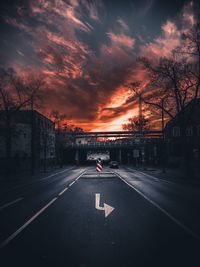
(72, 183)
(180, 224)
(10, 203)
(63, 191)
(19, 230)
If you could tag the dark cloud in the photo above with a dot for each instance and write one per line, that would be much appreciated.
(86, 50)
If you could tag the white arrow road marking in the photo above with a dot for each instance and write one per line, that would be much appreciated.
(108, 209)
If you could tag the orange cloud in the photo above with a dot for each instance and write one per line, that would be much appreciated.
(163, 45)
(121, 40)
(90, 85)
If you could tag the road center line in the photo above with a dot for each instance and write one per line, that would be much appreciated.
(63, 191)
(10, 203)
(11, 237)
(72, 183)
(184, 227)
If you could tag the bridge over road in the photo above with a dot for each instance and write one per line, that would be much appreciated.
(123, 146)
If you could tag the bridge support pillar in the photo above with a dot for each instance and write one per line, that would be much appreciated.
(77, 157)
(120, 156)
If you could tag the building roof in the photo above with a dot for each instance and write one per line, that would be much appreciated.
(191, 112)
(28, 113)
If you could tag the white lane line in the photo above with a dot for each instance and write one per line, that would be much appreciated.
(39, 180)
(153, 177)
(71, 183)
(54, 174)
(11, 237)
(10, 203)
(63, 191)
(184, 227)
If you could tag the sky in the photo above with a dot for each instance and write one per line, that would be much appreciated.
(87, 49)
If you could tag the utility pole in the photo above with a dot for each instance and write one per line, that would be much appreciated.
(141, 128)
(140, 112)
(32, 139)
(45, 135)
(163, 138)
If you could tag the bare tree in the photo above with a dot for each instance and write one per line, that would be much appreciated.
(173, 82)
(136, 124)
(190, 49)
(16, 93)
(170, 81)
(58, 118)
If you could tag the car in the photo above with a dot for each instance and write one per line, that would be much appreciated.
(114, 164)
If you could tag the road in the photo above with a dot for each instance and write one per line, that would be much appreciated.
(117, 218)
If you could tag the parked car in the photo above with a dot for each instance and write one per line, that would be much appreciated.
(114, 164)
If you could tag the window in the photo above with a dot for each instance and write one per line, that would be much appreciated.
(189, 131)
(176, 131)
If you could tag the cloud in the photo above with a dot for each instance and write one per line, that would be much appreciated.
(163, 45)
(20, 25)
(93, 8)
(124, 26)
(87, 83)
(170, 38)
(188, 15)
(58, 9)
(121, 40)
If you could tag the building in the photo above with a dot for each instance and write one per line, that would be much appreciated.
(32, 140)
(182, 132)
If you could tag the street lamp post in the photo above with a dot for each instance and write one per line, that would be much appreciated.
(32, 139)
(143, 157)
(128, 158)
(163, 138)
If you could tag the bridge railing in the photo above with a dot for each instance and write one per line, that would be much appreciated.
(115, 134)
(109, 144)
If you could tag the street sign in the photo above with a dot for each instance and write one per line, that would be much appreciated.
(108, 209)
(136, 153)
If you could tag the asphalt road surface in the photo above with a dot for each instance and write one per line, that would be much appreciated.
(117, 218)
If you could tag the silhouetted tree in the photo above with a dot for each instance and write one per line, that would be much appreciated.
(173, 82)
(62, 127)
(16, 93)
(58, 118)
(136, 124)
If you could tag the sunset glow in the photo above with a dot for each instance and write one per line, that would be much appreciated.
(87, 50)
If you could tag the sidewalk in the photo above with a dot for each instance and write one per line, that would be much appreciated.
(171, 175)
(27, 178)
